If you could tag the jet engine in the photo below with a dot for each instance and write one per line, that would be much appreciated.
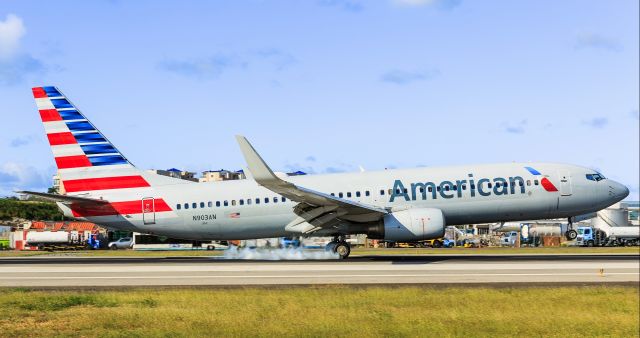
(414, 224)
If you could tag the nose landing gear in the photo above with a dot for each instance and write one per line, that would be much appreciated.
(339, 246)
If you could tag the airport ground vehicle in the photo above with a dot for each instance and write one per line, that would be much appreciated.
(613, 236)
(56, 240)
(4, 244)
(122, 243)
(439, 242)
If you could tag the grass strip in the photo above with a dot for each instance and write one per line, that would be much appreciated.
(587, 311)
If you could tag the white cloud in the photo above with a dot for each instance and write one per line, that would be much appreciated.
(16, 176)
(11, 31)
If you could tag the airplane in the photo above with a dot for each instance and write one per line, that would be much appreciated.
(104, 187)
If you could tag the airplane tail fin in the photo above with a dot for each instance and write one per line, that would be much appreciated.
(85, 158)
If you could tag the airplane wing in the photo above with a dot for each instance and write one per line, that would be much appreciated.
(317, 208)
(63, 198)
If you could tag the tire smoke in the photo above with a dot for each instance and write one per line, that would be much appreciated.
(277, 254)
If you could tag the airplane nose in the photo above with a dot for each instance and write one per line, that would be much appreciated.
(620, 191)
(624, 192)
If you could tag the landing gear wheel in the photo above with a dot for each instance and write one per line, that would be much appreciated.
(343, 249)
(571, 235)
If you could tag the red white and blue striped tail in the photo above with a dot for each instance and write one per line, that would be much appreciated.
(85, 158)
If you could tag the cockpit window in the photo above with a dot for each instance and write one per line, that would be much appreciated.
(595, 177)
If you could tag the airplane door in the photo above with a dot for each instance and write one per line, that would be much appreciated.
(148, 210)
(565, 183)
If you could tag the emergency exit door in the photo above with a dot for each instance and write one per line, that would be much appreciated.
(148, 210)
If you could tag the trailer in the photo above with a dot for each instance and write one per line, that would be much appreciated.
(56, 240)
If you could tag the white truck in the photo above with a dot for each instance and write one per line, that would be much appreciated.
(608, 236)
(56, 240)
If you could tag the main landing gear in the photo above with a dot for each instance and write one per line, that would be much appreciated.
(340, 246)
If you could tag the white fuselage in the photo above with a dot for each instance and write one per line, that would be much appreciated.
(465, 194)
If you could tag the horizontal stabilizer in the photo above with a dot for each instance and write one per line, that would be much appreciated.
(63, 198)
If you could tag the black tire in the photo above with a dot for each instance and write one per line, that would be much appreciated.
(437, 244)
(343, 249)
(571, 235)
(113, 247)
(210, 247)
(590, 244)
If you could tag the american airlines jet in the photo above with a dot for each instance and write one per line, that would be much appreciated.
(102, 186)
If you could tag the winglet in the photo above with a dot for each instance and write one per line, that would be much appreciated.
(258, 168)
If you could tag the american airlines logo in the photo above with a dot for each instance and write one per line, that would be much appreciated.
(482, 187)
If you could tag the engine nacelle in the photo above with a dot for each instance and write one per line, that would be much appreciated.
(414, 225)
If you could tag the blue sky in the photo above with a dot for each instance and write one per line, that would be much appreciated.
(326, 86)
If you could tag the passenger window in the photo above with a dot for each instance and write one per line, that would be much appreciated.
(366, 193)
(446, 188)
(283, 199)
(430, 189)
(455, 187)
(340, 195)
(266, 200)
(473, 186)
(226, 203)
(248, 201)
(186, 205)
(381, 192)
(194, 205)
(464, 187)
(438, 188)
(528, 183)
(217, 203)
(349, 194)
(257, 201)
(357, 194)
(241, 202)
(535, 182)
(489, 185)
(520, 183)
(332, 194)
(406, 190)
(201, 204)
(390, 191)
(178, 206)
(275, 200)
(210, 204)
(233, 202)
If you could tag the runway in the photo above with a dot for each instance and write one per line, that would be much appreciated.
(61, 272)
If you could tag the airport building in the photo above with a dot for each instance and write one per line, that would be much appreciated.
(221, 175)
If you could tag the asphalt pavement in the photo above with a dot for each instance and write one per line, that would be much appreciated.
(62, 272)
